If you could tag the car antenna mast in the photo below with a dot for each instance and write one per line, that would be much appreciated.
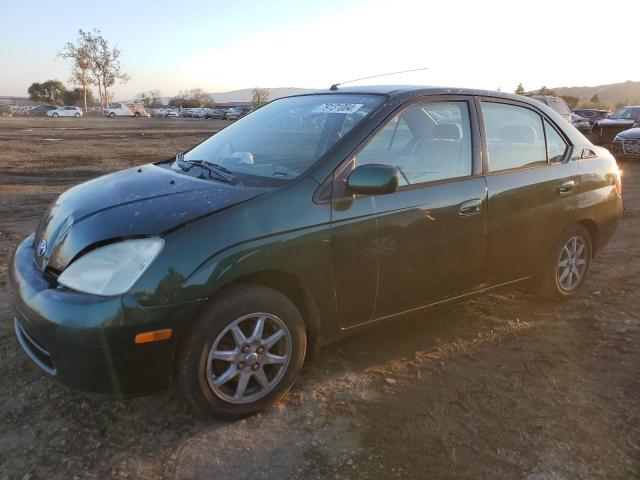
(335, 85)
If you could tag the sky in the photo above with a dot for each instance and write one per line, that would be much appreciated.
(229, 45)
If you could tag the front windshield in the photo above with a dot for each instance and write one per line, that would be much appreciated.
(627, 114)
(278, 142)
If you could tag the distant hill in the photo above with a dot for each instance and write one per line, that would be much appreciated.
(627, 92)
(245, 95)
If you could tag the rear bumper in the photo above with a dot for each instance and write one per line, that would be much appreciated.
(86, 342)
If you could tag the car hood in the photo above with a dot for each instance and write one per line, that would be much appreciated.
(142, 201)
(611, 122)
(631, 133)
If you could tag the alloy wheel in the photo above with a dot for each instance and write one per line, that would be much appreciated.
(572, 264)
(249, 358)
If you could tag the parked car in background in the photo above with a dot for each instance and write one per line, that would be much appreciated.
(626, 144)
(591, 114)
(218, 270)
(217, 113)
(22, 110)
(200, 112)
(171, 113)
(556, 103)
(581, 123)
(41, 110)
(126, 109)
(234, 113)
(604, 131)
(156, 112)
(6, 111)
(65, 112)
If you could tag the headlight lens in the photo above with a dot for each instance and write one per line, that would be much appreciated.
(112, 269)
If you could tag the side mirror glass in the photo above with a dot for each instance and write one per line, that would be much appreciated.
(373, 179)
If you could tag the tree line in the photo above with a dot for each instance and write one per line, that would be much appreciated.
(197, 98)
(572, 101)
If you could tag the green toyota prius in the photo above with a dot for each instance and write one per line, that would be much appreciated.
(314, 216)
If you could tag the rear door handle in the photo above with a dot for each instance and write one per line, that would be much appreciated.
(567, 187)
(470, 207)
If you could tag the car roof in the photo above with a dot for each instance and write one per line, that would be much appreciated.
(416, 91)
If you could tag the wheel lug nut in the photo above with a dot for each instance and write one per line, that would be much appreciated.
(246, 348)
(261, 349)
(241, 365)
(256, 366)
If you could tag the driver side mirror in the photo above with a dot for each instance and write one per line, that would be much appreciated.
(373, 179)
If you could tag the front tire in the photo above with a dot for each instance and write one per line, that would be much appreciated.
(54, 115)
(243, 353)
(569, 267)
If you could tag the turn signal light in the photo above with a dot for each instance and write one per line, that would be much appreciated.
(154, 336)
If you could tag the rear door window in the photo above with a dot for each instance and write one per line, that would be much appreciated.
(514, 135)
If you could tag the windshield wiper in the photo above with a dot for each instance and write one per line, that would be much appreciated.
(220, 172)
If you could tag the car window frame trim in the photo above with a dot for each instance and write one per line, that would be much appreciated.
(476, 147)
(516, 103)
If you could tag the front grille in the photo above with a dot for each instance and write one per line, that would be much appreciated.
(36, 352)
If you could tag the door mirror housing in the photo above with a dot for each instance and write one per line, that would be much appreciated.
(373, 179)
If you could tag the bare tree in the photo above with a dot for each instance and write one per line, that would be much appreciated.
(152, 98)
(260, 96)
(80, 54)
(107, 63)
(103, 62)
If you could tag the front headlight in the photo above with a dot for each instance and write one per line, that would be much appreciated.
(112, 269)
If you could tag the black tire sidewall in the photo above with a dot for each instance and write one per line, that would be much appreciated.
(223, 309)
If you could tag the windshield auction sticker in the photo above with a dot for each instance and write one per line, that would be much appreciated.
(338, 108)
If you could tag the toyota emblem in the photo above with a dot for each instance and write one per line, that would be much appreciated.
(42, 248)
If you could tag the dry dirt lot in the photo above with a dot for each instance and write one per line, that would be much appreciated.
(504, 386)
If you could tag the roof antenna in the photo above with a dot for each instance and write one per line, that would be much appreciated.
(335, 85)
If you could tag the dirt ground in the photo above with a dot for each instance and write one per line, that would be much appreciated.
(503, 386)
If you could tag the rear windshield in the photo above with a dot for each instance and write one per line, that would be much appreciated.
(281, 140)
(558, 105)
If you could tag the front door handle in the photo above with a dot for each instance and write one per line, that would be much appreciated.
(567, 187)
(470, 207)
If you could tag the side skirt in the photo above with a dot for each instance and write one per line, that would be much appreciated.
(446, 300)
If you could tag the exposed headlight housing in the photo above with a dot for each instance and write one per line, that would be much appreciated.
(112, 269)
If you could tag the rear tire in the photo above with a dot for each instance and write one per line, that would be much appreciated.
(137, 115)
(227, 367)
(112, 115)
(77, 115)
(568, 267)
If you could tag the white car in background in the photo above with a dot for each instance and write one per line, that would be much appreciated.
(234, 114)
(126, 109)
(65, 112)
